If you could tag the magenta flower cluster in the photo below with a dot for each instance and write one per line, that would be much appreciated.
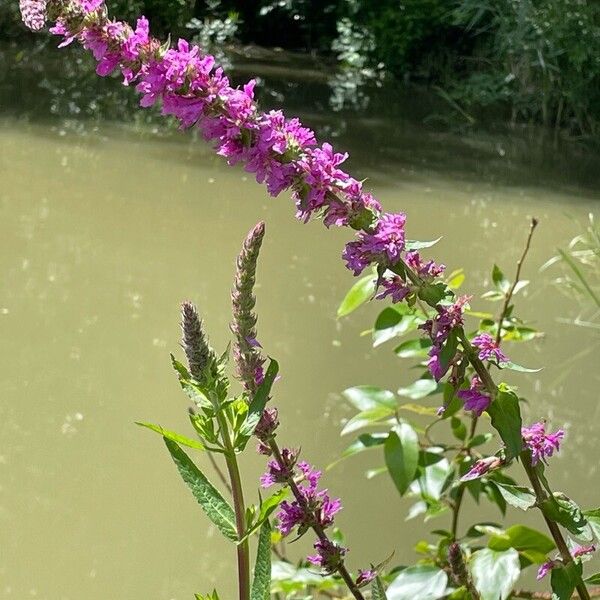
(489, 348)
(315, 507)
(542, 445)
(448, 318)
(280, 152)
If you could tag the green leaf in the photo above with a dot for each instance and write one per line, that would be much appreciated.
(261, 584)
(593, 517)
(432, 293)
(419, 409)
(364, 442)
(455, 280)
(593, 579)
(506, 420)
(502, 284)
(214, 505)
(258, 403)
(192, 390)
(517, 495)
(392, 322)
(366, 418)
(514, 367)
(567, 513)
(417, 348)
(419, 389)
(377, 590)
(171, 435)
(495, 573)
(401, 452)
(480, 439)
(366, 397)
(358, 294)
(458, 428)
(424, 582)
(522, 538)
(564, 579)
(416, 245)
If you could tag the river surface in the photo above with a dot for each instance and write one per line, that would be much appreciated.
(106, 225)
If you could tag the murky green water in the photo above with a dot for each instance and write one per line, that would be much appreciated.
(104, 229)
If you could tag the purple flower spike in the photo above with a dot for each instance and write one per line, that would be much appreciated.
(542, 445)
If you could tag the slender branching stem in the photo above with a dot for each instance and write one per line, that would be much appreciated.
(510, 292)
(243, 548)
(342, 571)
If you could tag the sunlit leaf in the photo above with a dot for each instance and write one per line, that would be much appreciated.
(495, 573)
(366, 397)
(366, 418)
(424, 582)
(358, 294)
(516, 495)
(171, 435)
(419, 389)
(417, 348)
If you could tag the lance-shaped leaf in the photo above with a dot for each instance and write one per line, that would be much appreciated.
(517, 495)
(214, 505)
(377, 590)
(171, 435)
(358, 294)
(261, 584)
(402, 455)
(506, 420)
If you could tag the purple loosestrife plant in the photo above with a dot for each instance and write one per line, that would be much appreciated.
(284, 155)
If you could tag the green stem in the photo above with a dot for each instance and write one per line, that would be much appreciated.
(243, 548)
(555, 531)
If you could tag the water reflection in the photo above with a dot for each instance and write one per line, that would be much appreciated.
(105, 228)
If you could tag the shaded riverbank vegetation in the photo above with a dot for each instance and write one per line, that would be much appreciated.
(511, 61)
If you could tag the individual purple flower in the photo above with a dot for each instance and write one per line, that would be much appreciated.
(542, 445)
(474, 399)
(488, 348)
(329, 555)
(280, 471)
(580, 551)
(481, 467)
(395, 287)
(383, 246)
(425, 270)
(435, 365)
(365, 576)
(545, 568)
(33, 13)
